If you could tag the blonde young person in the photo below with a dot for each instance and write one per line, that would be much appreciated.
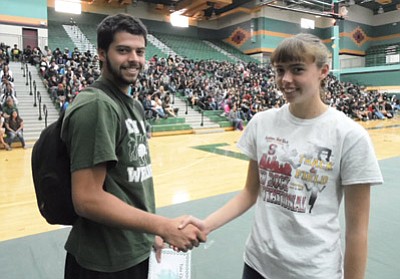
(305, 158)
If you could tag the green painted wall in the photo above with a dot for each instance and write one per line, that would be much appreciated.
(24, 8)
(373, 76)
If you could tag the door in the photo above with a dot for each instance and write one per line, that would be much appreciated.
(29, 37)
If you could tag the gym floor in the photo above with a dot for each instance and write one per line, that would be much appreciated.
(194, 174)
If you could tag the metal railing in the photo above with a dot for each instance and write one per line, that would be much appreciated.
(39, 97)
(34, 94)
(45, 112)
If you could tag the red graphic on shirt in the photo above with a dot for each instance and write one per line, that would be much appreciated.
(274, 179)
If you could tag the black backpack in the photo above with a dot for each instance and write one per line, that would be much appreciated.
(52, 177)
(51, 171)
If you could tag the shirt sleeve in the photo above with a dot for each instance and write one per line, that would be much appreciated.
(359, 164)
(247, 142)
(92, 135)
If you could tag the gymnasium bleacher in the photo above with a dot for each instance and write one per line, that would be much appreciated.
(58, 37)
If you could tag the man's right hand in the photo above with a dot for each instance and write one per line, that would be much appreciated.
(183, 239)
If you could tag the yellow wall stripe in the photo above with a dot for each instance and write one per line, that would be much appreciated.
(18, 20)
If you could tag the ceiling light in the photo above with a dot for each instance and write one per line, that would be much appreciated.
(172, 8)
(380, 10)
(343, 11)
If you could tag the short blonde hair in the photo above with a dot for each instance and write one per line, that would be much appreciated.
(303, 47)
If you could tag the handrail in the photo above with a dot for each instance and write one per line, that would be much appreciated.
(200, 109)
(39, 97)
(45, 112)
(202, 116)
(30, 83)
(26, 74)
(34, 93)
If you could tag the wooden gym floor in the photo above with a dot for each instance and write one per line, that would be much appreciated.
(193, 174)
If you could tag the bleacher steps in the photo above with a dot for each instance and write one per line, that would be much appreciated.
(28, 112)
(160, 45)
(79, 38)
(193, 117)
(230, 55)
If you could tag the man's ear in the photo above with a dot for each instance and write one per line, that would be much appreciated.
(101, 54)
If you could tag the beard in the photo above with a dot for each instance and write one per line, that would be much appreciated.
(118, 73)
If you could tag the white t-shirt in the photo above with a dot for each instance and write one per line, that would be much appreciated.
(303, 166)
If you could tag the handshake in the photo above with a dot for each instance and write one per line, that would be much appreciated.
(185, 233)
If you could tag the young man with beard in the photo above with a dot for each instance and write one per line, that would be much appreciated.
(112, 185)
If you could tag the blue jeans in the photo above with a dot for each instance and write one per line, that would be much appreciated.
(249, 273)
(12, 135)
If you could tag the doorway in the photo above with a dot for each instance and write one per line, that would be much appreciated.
(29, 37)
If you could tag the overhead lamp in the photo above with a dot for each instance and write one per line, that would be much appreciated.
(172, 8)
(213, 14)
(380, 10)
(343, 11)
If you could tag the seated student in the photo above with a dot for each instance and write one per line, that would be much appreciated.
(7, 90)
(3, 57)
(15, 53)
(5, 71)
(235, 117)
(395, 104)
(386, 109)
(8, 107)
(43, 65)
(168, 108)
(27, 53)
(15, 128)
(377, 114)
(149, 110)
(2, 133)
(207, 103)
(158, 106)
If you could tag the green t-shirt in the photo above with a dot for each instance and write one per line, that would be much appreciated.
(98, 129)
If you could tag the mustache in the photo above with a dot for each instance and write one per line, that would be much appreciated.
(132, 65)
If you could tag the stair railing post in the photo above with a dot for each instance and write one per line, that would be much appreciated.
(30, 83)
(34, 94)
(40, 105)
(45, 113)
(26, 71)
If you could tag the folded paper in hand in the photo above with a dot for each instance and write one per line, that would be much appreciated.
(173, 265)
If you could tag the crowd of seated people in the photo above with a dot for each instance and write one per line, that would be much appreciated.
(207, 84)
(213, 85)
(66, 73)
(11, 124)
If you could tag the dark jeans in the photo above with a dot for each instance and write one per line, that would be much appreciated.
(74, 271)
(249, 273)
